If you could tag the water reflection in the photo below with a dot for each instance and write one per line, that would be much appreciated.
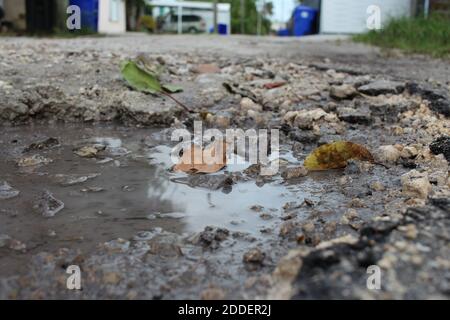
(203, 207)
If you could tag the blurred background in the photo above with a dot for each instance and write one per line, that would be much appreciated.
(416, 25)
(282, 17)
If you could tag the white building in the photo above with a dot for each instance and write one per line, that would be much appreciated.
(112, 16)
(350, 16)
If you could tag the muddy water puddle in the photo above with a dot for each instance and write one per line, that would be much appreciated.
(126, 188)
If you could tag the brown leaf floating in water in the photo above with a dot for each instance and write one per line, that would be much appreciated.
(195, 160)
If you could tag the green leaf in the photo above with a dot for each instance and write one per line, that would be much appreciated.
(170, 88)
(140, 80)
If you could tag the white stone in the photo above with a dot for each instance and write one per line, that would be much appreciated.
(388, 154)
(248, 104)
(409, 152)
(305, 118)
(343, 91)
(416, 184)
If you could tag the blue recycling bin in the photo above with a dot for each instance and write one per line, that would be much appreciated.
(222, 29)
(284, 33)
(304, 19)
(89, 13)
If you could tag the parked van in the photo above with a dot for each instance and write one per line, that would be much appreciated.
(191, 23)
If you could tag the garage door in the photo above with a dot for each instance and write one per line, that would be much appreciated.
(350, 16)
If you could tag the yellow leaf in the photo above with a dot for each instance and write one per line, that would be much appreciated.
(196, 160)
(335, 155)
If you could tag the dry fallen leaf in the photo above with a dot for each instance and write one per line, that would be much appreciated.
(87, 152)
(196, 160)
(273, 85)
(207, 68)
(335, 155)
(32, 161)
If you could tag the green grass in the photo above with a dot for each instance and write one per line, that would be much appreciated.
(413, 35)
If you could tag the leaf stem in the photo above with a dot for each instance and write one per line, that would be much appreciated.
(177, 102)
